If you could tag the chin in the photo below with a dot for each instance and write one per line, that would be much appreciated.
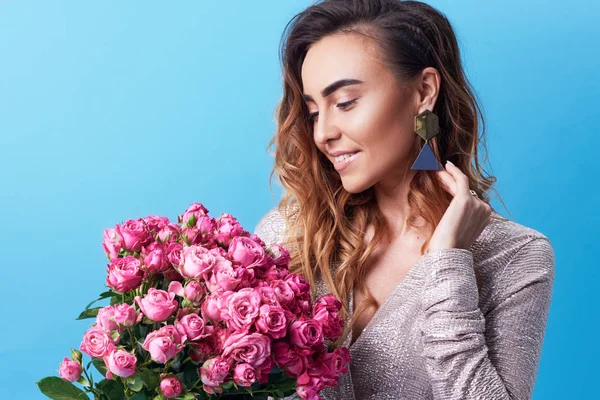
(354, 185)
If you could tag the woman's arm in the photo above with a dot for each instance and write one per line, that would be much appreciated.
(494, 356)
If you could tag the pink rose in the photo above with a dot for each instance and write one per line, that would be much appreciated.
(169, 233)
(155, 258)
(298, 284)
(283, 292)
(96, 342)
(170, 387)
(224, 277)
(191, 236)
(273, 321)
(126, 315)
(196, 261)
(164, 344)
(332, 324)
(227, 228)
(336, 364)
(70, 370)
(267, 296)
(242, 309)
(253, 349)
(174, 251)
(192, 326)
(105, 319)
(214, 307)
(309, 387)
(254, 237)
(328, 302)
(274, 273)
(157, 305)
(244, 374)
(264, 370)
(155, 222)
(214, 371)
(195, 209)
(287, 358)
(206, 225)
(204, 348)
(248, 253)
(135, 234)
(194, 291)
(124, 274)
(112, 243)
(325, 310)
(175, 287)
(305, 334)
(281, 255)
(120, 363)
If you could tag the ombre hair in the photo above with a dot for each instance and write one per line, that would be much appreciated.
(326, 224)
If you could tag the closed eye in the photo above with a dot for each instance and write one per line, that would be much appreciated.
(313, 116)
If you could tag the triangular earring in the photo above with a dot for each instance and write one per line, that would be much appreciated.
(426, 160)
(426, 126)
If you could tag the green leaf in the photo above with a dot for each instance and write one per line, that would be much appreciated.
(115, 300)
(103, 295)
(112, 389)
(99, 364)
(59, 389)
(227, 385)
(135, 383)
(89, 313)
(139, 396)
(151, 380)
(188, 396)
(190, 375)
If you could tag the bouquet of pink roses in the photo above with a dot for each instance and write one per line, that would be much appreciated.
(200, 310)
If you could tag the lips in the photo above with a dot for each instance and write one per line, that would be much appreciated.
(340, 165)
(343, 156)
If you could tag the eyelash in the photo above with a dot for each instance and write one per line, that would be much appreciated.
(312, 116)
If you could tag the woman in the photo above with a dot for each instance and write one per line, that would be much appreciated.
(443, 298)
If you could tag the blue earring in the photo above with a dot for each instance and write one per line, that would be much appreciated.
(426, 126)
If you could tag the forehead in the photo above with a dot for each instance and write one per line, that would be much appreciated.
(341, 56)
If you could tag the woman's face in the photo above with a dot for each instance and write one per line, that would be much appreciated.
(372, 117)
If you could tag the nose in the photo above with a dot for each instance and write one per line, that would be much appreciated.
(324, 130)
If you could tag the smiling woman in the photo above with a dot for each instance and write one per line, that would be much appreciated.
(443, 298)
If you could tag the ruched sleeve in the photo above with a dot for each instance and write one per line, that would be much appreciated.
(494, 356)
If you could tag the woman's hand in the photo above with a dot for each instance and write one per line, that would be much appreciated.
(466, 216)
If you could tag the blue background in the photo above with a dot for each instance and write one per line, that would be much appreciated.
(115, 110)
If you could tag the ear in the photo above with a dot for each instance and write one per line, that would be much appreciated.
(428, 89)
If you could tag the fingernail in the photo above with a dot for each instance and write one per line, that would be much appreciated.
(449, 162)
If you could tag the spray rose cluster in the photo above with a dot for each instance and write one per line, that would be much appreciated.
(202, 308)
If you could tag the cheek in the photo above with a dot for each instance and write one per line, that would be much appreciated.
(381, 128)
(385, 146)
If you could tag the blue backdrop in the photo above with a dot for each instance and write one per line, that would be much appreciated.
(114, 110)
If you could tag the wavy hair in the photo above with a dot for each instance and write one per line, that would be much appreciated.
(326, 224)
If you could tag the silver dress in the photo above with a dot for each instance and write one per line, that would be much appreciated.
(442, 334)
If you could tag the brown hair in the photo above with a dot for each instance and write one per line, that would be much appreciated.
(327, 224)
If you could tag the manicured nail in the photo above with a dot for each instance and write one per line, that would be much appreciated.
(449, 162)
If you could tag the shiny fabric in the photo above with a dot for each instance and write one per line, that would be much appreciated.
(442, 334)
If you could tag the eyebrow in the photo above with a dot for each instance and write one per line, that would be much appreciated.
(333, 87)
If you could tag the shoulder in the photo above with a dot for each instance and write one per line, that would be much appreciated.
(503, 238)
(509, 253)
(271, 227)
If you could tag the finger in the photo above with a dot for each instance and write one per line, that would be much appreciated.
(447, 181)
(462, 182)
